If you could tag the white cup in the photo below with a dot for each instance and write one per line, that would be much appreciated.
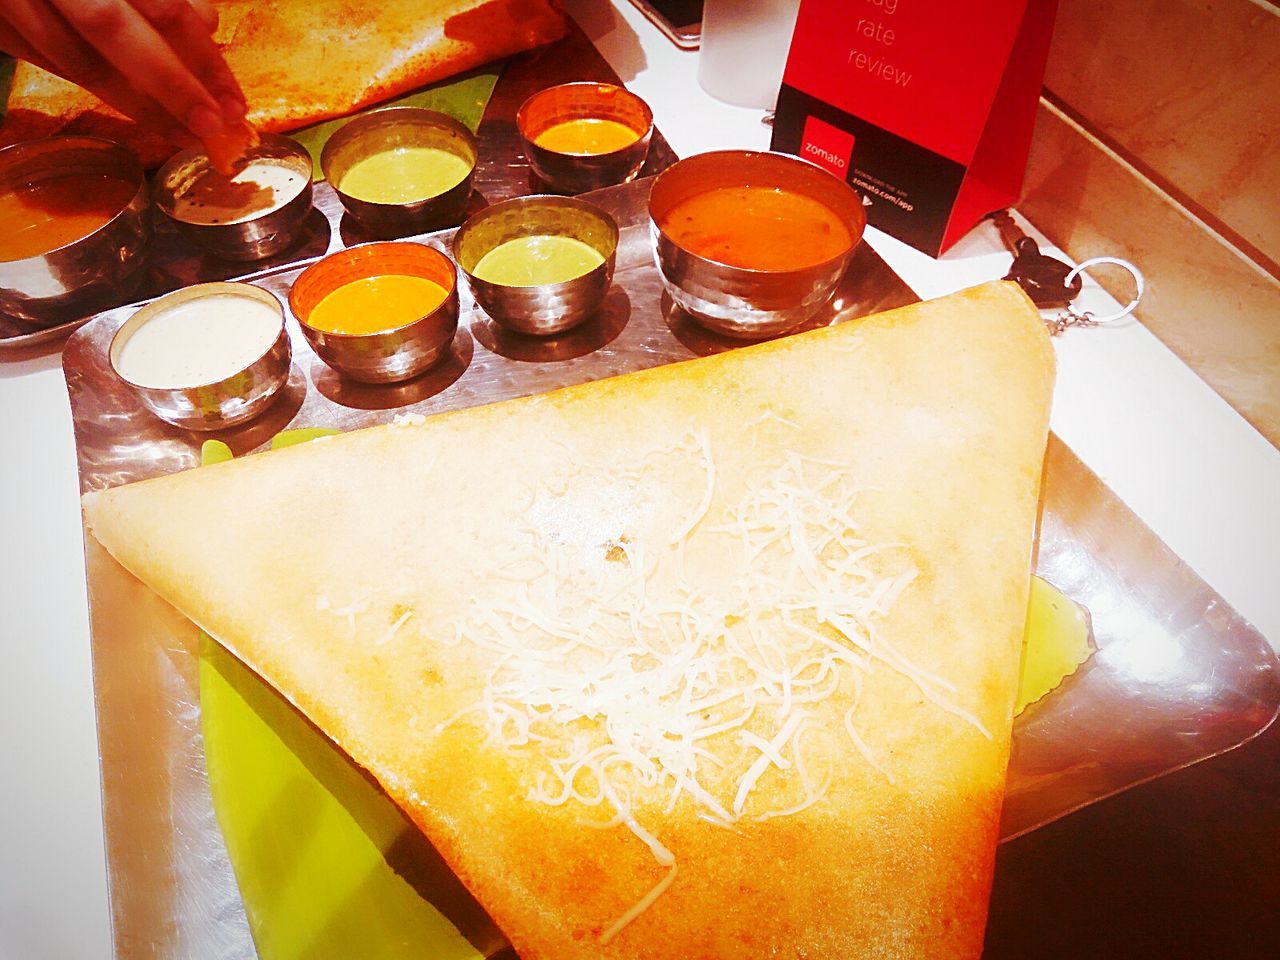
(744, 49)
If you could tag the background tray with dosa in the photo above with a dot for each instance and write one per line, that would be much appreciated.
(502, 172)
(1177, 676)
(303, 61)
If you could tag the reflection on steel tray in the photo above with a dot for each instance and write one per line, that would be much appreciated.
(1177, 676)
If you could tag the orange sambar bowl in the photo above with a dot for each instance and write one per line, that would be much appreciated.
(386, 356)
(741, 302)
(572, 172)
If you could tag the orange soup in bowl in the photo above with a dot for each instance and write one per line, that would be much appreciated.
(41, 217)
(757, 228)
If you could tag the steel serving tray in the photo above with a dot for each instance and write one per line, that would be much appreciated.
(1177, 676)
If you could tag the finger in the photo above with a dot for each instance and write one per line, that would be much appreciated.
(207, 13)
(122, 37)
(183, 28)
(12, 43)
(55, 47)
(29, 31)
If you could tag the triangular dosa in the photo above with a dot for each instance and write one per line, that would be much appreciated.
(302, 61)
(755, 615)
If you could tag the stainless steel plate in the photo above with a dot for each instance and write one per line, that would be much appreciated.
(1177, 676)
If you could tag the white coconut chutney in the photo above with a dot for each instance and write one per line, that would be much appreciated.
(198, 341)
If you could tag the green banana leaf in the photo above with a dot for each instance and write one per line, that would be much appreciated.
(7, 65)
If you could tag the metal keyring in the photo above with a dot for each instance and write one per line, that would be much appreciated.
(1127, 308)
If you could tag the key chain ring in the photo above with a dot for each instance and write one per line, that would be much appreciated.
(1139, 282)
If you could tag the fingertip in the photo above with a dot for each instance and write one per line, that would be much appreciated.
(233, 108)
(207, 13)
(204, 122)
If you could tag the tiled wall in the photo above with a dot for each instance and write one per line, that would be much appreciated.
(1158, 140)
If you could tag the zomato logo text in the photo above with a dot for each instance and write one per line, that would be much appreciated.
(824, 157)
(827, 146)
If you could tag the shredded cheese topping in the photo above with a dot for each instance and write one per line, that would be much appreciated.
(632, 682)
(640, 907)
(394, 628)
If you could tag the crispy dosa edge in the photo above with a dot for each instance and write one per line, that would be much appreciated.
(888, 873)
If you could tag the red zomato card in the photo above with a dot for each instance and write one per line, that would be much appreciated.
(926, 106)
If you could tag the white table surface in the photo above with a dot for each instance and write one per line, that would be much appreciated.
(1193, 469)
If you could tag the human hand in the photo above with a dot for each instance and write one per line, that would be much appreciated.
(153, 60)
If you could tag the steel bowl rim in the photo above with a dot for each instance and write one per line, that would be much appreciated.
(142, 191)
(434, 116)
(537, 199)
(647, 133)
(450, 295)
(232, 287)
(607, 267)
(830, 262)
(194, 153)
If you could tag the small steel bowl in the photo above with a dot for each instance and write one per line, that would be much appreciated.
(549, 308)
(390, 355)
(387, 129)
(236, 398)
(574, 173)
(256, 238)
(736, 301)
(93, 272)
